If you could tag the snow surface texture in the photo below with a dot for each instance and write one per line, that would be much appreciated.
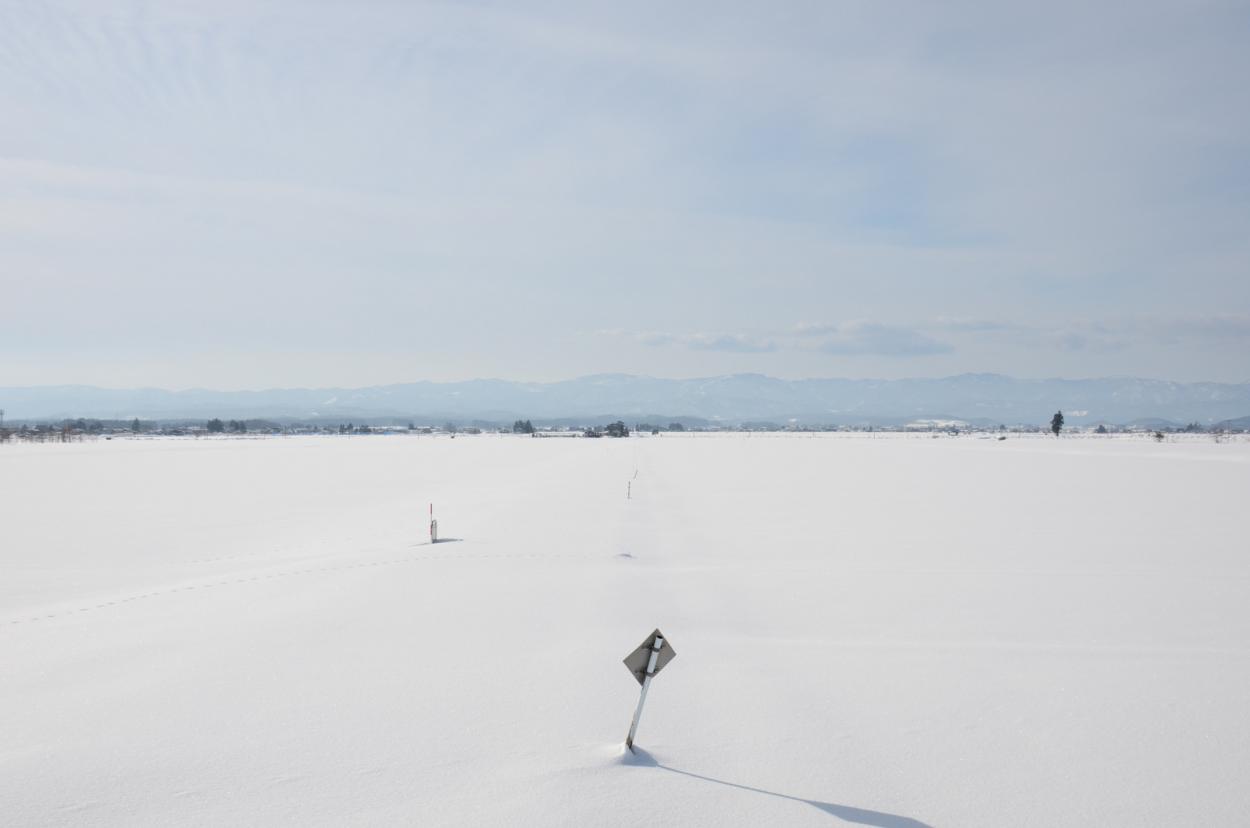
(873, 631)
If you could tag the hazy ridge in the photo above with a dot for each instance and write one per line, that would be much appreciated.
(978, 398)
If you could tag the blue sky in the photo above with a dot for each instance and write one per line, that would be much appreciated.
(250, 194)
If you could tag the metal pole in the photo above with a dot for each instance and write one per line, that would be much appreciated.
(642, 697)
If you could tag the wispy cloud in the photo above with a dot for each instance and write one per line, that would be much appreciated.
(727, 342)
(972, 325)
(863, 338)
(856, 338)
(1107, 334)
(1212, 326)
(946, 335)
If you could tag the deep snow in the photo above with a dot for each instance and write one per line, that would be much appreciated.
(883, 631)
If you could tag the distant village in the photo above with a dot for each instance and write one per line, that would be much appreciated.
(67, 430)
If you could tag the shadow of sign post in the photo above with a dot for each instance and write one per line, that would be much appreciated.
(846, 813)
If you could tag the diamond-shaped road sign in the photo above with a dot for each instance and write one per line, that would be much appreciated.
(636, 661)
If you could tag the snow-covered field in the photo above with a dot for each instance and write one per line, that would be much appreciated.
(882, 631)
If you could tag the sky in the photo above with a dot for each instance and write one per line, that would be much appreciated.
(328, 193)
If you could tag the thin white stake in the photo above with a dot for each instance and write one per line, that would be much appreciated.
(656, 646)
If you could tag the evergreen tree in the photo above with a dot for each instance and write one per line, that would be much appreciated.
(1056, 423)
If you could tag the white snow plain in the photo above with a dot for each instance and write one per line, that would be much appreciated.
(889, 631)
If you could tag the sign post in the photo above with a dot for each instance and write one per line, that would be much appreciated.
(644, 663)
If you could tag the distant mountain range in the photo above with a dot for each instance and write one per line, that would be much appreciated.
(981, 399)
